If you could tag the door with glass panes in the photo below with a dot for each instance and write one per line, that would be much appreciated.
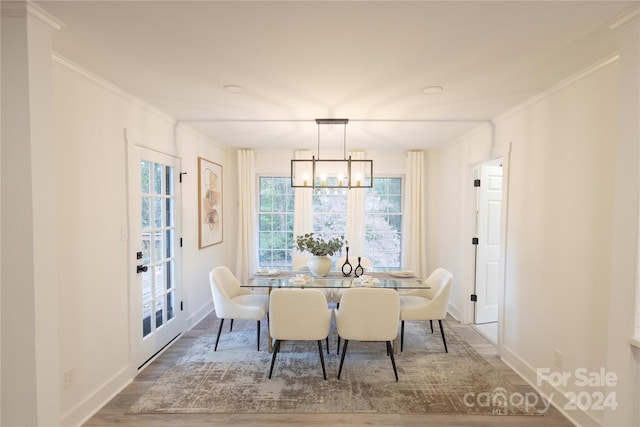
(155, 292)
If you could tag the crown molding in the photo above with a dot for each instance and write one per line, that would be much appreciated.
(555, 88)
(625, 19)
(17, 9)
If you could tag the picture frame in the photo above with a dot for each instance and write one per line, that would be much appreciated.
(210, 212)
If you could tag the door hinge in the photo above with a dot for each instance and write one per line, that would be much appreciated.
(182, 173)
(181, 242)
(181, 305)
(474, 241)
(476, 183)
(474, 297)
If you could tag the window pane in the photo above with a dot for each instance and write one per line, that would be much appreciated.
(145, 177)
(157, 212)
(170, 301)
(275, 222)
(159, 310)
(146, 320)
(158, 247)
(168, 180)
(169, 276)
(157, 178)
(146, 213)
(169, 243)
(169, 211)
(158, 271)
(383, 222)
(146, 248)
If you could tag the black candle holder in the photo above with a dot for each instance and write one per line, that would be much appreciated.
(359, 270)
(346, 267)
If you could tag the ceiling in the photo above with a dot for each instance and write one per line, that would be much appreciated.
(365, 61)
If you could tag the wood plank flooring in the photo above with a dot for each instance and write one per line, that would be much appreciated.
(114, 413)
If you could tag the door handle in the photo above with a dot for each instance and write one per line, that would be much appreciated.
(141, 269)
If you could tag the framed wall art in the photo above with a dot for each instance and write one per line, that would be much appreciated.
(209, 203)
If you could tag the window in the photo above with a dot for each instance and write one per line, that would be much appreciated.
(383, 222)
(330, 213)
(275, 222)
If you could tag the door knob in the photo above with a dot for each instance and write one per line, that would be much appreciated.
(141, 268)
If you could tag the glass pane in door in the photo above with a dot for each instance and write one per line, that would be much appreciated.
(157, 223)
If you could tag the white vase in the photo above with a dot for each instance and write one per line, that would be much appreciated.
(319, 265)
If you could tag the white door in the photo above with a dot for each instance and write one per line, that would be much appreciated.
(154, 220)
(488, 233)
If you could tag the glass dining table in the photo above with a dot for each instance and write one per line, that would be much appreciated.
(270, 279)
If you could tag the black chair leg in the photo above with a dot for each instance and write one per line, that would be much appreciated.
(431, 323)
(443, 340)
(338, 346)
(276, 347)
(258, 336)
(231, 326)
(393, 360)
(218, 337)
(344, 351)
(324, 373)
(327, 339)
(401, 336)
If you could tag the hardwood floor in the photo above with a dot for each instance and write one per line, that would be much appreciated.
(115, 411)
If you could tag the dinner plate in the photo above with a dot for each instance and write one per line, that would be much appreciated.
(407, 273)
(300, 279)
(267, 272)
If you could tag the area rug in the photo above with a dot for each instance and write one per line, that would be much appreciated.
(234, 379)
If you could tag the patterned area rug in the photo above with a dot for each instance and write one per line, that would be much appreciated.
(234, 379)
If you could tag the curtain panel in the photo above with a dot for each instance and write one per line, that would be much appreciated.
(414, 254)
(247, 252)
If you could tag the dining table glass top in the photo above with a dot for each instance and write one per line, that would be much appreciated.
(335, 279)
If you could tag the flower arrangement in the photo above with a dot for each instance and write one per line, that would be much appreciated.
(317, 245)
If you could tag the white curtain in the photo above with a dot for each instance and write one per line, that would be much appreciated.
(414, 252)
(247, 238)
(355, 216)
(303, 208)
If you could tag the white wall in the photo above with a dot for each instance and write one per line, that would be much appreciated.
(560, 222)
(90, 117)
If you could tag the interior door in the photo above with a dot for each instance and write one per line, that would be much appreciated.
(154, 221)
(488, 249)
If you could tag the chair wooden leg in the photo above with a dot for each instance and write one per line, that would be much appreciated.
(327, 339)
(231, 326)
(431, 323)
(258, 336)
(401, 336)
(338, 346)
(276, 347)
(443, 340)
(324, 373)
(344, 351)
(218, 337)
(393, 360)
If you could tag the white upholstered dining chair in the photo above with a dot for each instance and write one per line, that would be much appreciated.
(368, 314)
(427, 304)
(298, 315)
(234, 302)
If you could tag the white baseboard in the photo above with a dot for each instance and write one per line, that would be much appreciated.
(559, 400)
(82, 412)
(96, 400)
(200, 314)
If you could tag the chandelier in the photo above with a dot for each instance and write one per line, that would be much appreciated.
(332, 173)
